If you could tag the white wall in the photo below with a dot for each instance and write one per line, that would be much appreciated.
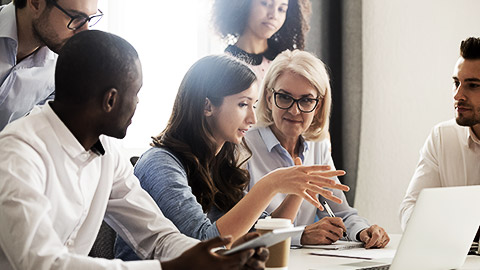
(409, 50)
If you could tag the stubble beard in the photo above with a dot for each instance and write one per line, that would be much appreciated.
(40, 29)
(469, 121)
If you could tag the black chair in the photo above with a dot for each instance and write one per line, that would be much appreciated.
(133, 160)
(104, 244)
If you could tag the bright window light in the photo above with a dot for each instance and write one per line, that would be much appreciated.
(169, 37)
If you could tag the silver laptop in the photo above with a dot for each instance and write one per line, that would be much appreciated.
(439, 232)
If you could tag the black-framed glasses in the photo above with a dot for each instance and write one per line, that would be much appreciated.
(285, 102)
(77, 21)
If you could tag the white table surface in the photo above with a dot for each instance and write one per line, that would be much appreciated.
(301, 259)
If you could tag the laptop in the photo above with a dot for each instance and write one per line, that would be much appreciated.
(439, 232)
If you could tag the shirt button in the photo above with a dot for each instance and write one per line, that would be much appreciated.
(69, 242)
(84, 156)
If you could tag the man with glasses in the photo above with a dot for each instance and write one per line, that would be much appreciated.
(31, 33)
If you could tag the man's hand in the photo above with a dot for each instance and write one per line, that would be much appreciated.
(374, 237)
(257, 261)
(323, 232)
(201, 257)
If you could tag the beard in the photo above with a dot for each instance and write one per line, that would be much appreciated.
(43, 33)
(466, 121)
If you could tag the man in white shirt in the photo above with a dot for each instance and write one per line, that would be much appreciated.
(31, 33)
(451, 154)
(61, 175)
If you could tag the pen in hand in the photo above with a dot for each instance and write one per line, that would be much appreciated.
(331, 214)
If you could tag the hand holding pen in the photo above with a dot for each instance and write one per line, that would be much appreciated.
(325, 231)
(331, 214)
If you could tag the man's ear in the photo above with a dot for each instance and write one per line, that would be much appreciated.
(37, 7)
(208, 109)
(110, 100)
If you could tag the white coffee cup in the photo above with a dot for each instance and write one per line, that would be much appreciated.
(280, 252)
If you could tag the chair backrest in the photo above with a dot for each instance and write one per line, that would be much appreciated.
(133, 160)
(104, 244)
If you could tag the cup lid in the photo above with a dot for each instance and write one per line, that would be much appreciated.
(269, 223)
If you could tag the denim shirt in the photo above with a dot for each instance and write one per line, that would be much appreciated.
(163, 176)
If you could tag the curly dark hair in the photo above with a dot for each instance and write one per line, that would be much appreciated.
(216, 180)
(230, 18)
(470, 48)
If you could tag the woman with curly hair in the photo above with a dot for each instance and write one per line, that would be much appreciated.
(194, 171)
(258, 30)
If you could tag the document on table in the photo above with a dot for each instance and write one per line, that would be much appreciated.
(339, 245)
(358, 253)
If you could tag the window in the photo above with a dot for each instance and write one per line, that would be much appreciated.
(169, 37)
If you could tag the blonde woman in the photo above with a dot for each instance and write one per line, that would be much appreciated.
(293, 119)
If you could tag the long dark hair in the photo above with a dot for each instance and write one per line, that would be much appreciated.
(216, 180)
(231, 17)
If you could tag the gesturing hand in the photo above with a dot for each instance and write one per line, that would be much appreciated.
(201, 257)
(305, 181)
(323, 232)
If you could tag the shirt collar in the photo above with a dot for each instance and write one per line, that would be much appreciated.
(8, 23)
(65, 137)
(271, 140)
(8, 30)
(251, 58)
(472, 140)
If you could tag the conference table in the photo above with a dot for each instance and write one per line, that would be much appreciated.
(302, 259)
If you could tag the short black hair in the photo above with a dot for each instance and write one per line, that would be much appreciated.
(92, 62)
(470, 48)
(22, 3)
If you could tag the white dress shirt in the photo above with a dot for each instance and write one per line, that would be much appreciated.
(54, 196)
(450, 157)
(26, 83)
(268, 154)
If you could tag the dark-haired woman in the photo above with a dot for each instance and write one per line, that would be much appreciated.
(193, 171)
(258, 30)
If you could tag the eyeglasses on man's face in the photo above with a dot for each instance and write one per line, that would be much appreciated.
(285, 102)
(77, 21)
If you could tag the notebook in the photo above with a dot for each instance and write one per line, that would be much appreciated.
(439, 232)
(338, 245)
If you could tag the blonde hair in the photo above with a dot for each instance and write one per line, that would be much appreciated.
(311, 68)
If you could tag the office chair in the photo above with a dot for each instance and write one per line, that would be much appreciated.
(104, 244)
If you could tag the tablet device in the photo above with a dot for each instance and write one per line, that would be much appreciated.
(268, 239)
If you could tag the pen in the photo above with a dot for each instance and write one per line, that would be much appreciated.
(330, 213)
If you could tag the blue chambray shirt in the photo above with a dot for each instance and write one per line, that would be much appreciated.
(163, 176)
(268, 154)
(26, 83)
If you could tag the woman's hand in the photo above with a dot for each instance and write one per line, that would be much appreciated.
(323, 232)
(306, 181)
(374, 237)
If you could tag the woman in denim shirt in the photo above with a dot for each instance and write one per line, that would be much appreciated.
(193, 171)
